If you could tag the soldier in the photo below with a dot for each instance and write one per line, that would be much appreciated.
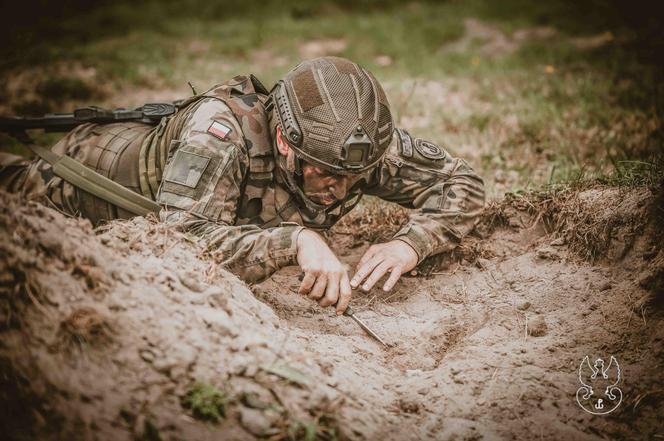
(254, 173)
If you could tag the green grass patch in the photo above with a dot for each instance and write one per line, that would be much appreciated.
(323, 428)
(206, 402)
(635, 174)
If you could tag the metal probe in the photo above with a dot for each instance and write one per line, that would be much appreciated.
(349, 313)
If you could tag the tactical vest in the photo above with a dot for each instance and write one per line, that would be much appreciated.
(114, 153)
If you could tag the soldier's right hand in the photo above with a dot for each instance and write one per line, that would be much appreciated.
(325, 277)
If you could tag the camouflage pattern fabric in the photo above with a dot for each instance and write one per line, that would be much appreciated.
(212, 167)
(247, 217)
(447, 194)
(111, 150)
(235, 206)
(35, 180)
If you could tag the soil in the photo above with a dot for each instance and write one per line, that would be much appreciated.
(106, 333)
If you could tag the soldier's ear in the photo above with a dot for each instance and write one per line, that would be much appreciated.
(282, 146)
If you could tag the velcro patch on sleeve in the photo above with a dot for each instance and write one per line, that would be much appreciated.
(406, 143)
(186, 169)
(219, 130)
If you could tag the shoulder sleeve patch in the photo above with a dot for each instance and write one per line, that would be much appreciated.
(406, 143)
(428, 149)
(203, 179)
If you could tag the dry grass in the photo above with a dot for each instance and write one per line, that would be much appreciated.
(85, 327)
(372, 221)
(593, 220)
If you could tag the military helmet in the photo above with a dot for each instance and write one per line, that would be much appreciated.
(334, 114)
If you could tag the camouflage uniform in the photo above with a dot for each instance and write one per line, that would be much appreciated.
(212, 167)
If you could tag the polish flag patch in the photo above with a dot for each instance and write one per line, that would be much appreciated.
(219, 130)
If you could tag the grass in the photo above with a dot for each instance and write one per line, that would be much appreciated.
(206, 402)
(323, 428)
(635, 174)
(514, 87)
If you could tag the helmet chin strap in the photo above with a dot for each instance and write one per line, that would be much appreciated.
(290, 166)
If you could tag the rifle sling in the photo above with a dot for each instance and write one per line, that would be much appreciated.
(89, 180)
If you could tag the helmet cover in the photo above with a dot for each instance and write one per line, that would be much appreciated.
(334, 114)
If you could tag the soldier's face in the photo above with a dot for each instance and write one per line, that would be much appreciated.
(319, 185)
(323, 187)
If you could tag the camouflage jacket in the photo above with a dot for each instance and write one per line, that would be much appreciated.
(220, 182)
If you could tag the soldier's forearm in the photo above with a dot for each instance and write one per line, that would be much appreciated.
(254, 254)
(447, 213)
(251, 253)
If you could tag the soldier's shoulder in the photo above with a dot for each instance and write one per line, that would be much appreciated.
(215, 118)
(416, 150)
(238, 85)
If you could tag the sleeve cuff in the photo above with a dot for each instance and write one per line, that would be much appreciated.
(284, 246)
(418, 239)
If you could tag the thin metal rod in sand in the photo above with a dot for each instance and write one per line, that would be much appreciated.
(349, 313)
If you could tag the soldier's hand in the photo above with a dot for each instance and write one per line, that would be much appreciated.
(325, 278)
(395, 257)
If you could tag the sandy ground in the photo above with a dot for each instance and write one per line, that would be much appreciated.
(492, 350)
(104, 333)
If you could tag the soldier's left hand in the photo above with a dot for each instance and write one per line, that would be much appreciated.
(395, 257)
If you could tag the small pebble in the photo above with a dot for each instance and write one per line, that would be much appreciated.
(413, 372)
(522, 306)
(548, 253)
(257, 422)
(537, 326)
(147, 355)
(482, 263)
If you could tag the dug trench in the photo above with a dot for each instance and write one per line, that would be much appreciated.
(132, 331)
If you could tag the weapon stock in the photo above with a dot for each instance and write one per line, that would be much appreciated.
(150, 113)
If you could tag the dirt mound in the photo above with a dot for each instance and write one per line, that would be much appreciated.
(131, 332)
(128, 333)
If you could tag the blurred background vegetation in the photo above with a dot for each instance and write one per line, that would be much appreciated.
(531, 93)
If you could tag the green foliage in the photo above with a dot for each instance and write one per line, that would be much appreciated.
(323, 428)
(635, 174)
(206, 402)
(65, 88)
(150, 432)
